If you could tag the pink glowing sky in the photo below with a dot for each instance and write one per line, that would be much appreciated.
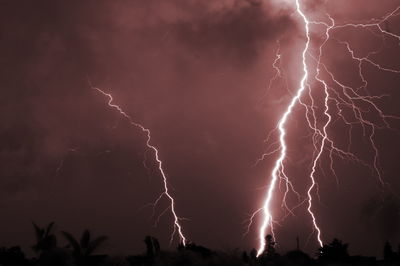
(195, 73)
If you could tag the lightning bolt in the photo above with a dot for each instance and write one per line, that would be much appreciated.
(278, 168)
(177, 226)
(337, 99)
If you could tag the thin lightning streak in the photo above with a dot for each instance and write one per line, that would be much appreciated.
(61, 164)
(312, 174)
(278, 72)
(177, 225)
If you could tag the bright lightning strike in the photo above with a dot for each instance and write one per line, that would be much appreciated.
(277, 170)
(166, 193)
(343, 98)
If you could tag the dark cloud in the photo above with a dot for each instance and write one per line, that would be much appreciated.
(235, 35)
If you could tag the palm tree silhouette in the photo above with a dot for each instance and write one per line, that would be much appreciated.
(45, 239)
(83, 250)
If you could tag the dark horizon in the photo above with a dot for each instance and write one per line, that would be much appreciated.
(61, 242)
(53, 233)
(89, 249)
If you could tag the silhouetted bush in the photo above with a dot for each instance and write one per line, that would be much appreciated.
(12, 257)
(335, 251)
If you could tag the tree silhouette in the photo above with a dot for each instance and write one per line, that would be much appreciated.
(335, 251)
(193, 247)
(83, 250)
(270, 249)
(388, 253)
(45, 239)
(156, 245)
(152, 246)
(46, 247)
(149, 246)
(253, 254)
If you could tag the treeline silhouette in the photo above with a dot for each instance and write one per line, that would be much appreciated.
(83, 251)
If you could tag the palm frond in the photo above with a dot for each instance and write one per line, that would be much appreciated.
(72, 241)
(95, 244)
(38, 231)
(49, 227)
(85, 239)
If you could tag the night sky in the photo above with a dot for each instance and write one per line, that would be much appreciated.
(196, 74)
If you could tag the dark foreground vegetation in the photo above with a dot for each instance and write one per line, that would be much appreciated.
(83, 251)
